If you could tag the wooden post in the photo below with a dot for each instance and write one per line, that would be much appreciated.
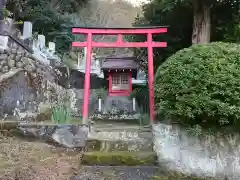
(151, 77)
(87, 79)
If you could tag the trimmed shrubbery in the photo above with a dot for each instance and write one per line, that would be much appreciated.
(201, 85)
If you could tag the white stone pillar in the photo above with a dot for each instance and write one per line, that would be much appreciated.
(41, 41)
(134, 104)
(79, 59)
(84, 58)
(51, 46)
(27, 30)
(99, 104)
(4, 42)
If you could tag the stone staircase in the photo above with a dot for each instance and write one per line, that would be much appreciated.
(115, 151)
(121, 145)
(120, 152)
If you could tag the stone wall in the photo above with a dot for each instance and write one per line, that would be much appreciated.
(210, 155)
(18, 45)
(93, 100)
(25, 82)
(15, 88)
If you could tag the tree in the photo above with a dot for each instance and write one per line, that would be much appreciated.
(119, 13)
(102, 14)
(179, 20)
(178, 15)
(50, 18)
(22, 7)
(201, 21)
(202, 15)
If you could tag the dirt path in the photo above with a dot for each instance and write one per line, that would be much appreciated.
(25, 160)
(35, 160)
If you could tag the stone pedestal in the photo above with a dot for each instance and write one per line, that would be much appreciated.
(118, 104)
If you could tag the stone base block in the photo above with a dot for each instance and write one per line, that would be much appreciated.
(118, 145)
(119, 158)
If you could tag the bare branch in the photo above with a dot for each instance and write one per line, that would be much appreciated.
(116, 13)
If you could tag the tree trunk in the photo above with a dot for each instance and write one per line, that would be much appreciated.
(201, 22)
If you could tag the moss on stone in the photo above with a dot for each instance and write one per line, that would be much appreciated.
(14, 133)
(119, 158)
(118, 145)
(8, 125)
(93, 145)
(43, 117)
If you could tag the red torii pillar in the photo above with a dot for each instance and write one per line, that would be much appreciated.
(120, 43)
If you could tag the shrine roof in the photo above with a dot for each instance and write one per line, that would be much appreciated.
(120, 63)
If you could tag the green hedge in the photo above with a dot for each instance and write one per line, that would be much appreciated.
(201, 85)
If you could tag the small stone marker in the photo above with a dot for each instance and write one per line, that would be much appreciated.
(51, 46)
(3, 42)
(41, 41)
(27, 29)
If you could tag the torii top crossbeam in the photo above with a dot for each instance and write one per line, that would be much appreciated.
(90, 31)
(112, 31)
(119, 32)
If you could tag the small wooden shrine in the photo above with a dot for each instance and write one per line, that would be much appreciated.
(119, 72)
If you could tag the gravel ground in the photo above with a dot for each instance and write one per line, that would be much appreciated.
(116, 173)
(29, 160)
(26, 160)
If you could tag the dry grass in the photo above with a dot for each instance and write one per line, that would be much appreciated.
(23, 160)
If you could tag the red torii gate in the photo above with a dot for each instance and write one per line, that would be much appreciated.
(149, 31)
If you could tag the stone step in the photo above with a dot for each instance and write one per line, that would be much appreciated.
(119, 158)
(121, 127)
(120, 138)
(115, 120)
(120, 134)
(143, 145)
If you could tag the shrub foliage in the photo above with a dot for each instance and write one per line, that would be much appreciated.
(201, 85)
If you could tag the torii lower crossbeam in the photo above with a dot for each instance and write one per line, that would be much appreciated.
(120, 43)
